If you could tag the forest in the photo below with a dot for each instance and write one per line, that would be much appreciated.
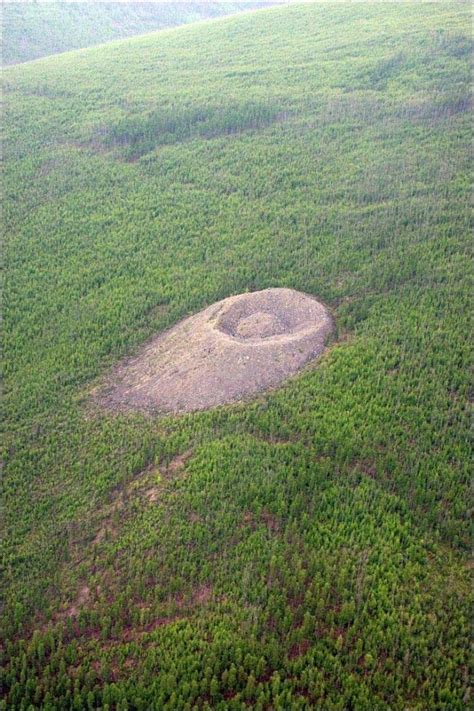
(38, 28)
(309, 549)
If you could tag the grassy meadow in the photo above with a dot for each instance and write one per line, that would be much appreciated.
(309, 549)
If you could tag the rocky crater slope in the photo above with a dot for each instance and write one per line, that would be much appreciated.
(231, 350)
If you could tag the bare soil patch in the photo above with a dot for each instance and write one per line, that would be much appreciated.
(178, 462)
(299, 649)
(82, 598)
(202, 594)
(230, 351)
(152, 494)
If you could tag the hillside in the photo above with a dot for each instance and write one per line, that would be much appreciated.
(306, 549)
(36, 29)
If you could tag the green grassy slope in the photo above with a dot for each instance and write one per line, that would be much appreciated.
(36, 29)
(307, 550)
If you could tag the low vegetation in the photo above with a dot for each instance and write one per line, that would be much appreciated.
(309, 549)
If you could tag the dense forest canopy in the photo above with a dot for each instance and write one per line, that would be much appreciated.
(32, 29)
(309, 549)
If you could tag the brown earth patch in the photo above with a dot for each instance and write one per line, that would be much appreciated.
(299, 649)
(202, 594)
(368, 468)
(135, 633)
(230, 351)
(267, 518)
(199, 596)
(101, 534)
(152, 494)
(179, 461)
(270, 521)
(82, 598)
(194, 517)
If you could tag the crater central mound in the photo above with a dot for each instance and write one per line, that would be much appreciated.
(231, 350)
(259, 325)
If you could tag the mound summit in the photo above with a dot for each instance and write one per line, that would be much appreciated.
(231, 350)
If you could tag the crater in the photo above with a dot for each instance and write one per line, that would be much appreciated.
(259, 325)
(230, 351)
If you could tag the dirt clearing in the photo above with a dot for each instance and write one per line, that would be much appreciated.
(231, 350)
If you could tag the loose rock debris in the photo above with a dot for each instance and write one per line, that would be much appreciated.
(230, 351)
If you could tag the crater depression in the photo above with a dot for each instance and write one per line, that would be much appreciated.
(231, 350)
